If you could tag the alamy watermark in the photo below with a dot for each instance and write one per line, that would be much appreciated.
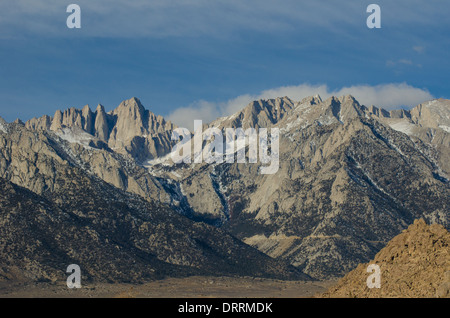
(74, 279)
(374, 279)
(374, 19)
(74, 19)
(211, 146)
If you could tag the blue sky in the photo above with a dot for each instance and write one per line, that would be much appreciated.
(208, 58)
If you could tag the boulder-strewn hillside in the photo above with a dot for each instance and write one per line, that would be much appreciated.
(415, 263)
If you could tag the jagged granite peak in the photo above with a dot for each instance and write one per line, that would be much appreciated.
(86, 110)
(129, 123)
(129, 128)
(312, 100)
(41, 123)
(435, 114)
(399, 113)
(19, 164)
(139, 132)
(72, 117)
(56, 120)
(88, 119)
(431, 114)
(342, 108)
(259, 113)
(100, 109)
(3, 125)
(133, 105)
(314, 110)
(18, 121)
(144, 121)
(348, 101)
(101, 127)
(378, 112)
(67, 118)
(428, 122)
(131, 110)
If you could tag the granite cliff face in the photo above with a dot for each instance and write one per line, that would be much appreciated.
(351, 177)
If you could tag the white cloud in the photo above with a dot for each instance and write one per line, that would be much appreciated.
(185, 116)
(388, 96)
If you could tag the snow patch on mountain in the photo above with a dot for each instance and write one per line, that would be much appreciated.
(165, 161)
(74, 135)
(3, 128)
(404, 127)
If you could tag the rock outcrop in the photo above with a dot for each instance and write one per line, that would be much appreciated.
(415, 263)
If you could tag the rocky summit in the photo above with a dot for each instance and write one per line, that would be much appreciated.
(351, 177)
(129, 128)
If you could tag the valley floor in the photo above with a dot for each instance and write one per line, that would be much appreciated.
(191, 287)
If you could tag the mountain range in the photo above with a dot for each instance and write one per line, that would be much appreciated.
(351, 178)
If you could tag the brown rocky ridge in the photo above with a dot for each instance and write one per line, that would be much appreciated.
(415, 263)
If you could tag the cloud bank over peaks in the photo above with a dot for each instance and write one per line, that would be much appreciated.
(388, 96)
